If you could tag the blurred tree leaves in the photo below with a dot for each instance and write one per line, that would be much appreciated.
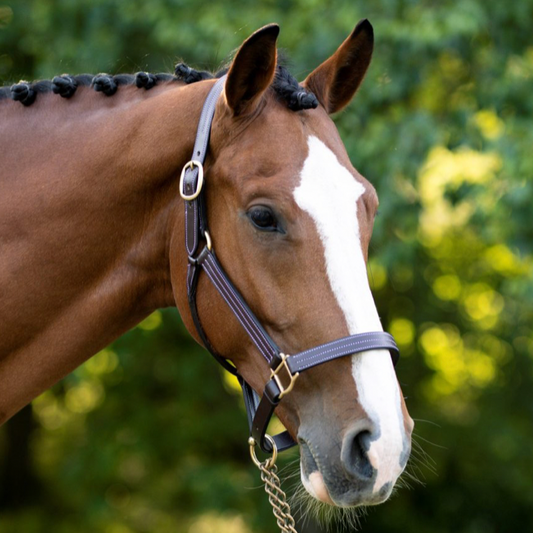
(147, 436)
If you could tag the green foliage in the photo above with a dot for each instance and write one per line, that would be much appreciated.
(146, 436)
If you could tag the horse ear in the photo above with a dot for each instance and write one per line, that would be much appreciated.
(336, 80)
(252, 70)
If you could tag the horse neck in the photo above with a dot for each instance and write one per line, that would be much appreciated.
(88, 206)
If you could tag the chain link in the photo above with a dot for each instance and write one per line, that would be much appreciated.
(277, 497)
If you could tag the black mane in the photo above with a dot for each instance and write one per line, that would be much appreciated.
(285, 85)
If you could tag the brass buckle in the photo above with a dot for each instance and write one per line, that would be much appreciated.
(292, 377)
(199, 184)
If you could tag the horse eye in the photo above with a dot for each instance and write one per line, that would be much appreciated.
(263, 218)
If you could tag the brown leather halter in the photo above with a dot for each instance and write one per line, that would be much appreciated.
(284, 369)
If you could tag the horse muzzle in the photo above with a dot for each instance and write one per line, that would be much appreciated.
(363, 473)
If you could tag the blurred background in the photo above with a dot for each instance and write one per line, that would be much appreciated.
(150, 436)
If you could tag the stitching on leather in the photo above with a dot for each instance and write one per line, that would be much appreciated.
(249, 326)
(215, 281)
(342, 353)
(237, 311)
(189, 277)
(342, 347)
(367, 343)
(187, 229)
(364, 337)
(333, 343)
(195, 218)
(237, 302)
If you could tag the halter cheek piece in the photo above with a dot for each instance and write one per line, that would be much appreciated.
(285, 369)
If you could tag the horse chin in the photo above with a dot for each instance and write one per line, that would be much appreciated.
(315, 486)
(349, 497)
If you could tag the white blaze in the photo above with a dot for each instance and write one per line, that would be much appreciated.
(328, 192)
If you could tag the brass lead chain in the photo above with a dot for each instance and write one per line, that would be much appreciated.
(276, 496)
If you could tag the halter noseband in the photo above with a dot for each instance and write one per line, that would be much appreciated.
(285, 369)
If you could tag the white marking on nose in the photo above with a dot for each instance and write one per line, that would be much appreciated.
(328, 192)
(315, 485)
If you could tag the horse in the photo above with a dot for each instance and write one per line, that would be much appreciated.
(92, 234)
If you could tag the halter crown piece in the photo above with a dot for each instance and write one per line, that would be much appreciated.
(285, 369)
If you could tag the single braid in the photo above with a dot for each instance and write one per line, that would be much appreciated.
(292, 92)
(64, 85)
(23, 92)
(189, 75)
(105, 83)
(145, 80)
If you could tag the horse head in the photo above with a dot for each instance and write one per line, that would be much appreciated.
(291, 220)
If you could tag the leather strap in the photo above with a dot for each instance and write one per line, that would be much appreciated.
(259, 410)
(362, 342)
(252, 401)
(262, 340)
(193, 271)
(307, 359)
(194, 223)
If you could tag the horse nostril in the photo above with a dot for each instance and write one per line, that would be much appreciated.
(355, 455)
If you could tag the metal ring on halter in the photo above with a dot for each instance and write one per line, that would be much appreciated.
(269, 462)
(207, 240)
(191, 164)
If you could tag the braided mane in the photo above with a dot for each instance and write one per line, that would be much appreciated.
(285, 85)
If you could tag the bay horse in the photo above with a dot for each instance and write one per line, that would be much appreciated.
(92, 235)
